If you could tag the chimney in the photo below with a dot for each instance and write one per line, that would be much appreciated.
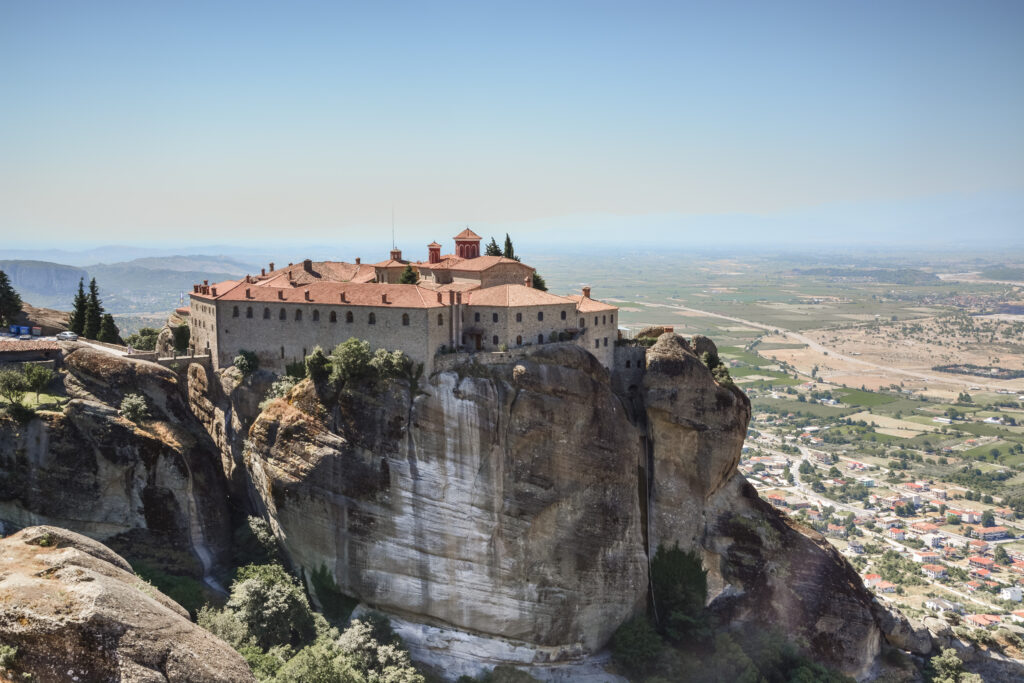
(586, 292)
(307, 265)
(271, 266)
(263, 271)
(307, 295)
(526, 282)
(280, 294)
(396, 254)
(358, 260)
(290, 263)
(214, 291)
(206, 282)
(439, 298)
(195, 289)
(384, 298)
(344, 300)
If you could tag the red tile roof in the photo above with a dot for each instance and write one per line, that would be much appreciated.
(514, 295)
(356, 294)
(467, 234)
(34, 345)
(469, 265)
(588, 305)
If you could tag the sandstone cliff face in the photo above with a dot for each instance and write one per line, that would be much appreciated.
(152, 490)
(501, 501)
(75, 612)
(510, 502)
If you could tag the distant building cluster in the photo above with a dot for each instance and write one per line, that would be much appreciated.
(461, 301)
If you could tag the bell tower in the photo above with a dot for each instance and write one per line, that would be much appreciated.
(467, 244)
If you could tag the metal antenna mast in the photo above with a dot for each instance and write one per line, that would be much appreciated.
(393, 227)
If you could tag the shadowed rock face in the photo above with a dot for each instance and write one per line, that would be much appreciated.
(153, 491)
(75, 611)
(509, 501)
(499, 500)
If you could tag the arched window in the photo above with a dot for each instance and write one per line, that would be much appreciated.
(540, 315)
(334, 316)
(476, 317)
(540, 338)
(494, 340)
(316, 316)
(440, 320)
(298, 314)
(519, 340)
(248, 312)
(405, 319)
(282, 352)
(282, 315)
(266, 314)
(348, 317)
(494, 317)
(373, 319)
(563, 315)
(234, 313)
(519, 317)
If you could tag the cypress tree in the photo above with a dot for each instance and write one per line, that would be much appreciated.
(77, 321)
(493, 249)
(108, 331)
(509, 251)
(409, 277)
(538, 282)
(10, 302)
(93, 312)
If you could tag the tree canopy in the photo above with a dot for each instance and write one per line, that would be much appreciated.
(10, 302)
(409, 276)
(78, 307)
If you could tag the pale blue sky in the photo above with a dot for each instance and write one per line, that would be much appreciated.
(122, 121)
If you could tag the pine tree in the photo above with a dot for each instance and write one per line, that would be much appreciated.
(93, 312)
(10, 302)
(538, 282)
(108, 331)
(77, 321)
(492, 248)
(409, 277)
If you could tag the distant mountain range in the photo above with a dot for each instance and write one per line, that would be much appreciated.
(142, 285)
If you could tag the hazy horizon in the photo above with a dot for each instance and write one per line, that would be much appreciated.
(656, 123)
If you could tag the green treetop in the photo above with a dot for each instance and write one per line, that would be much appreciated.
(108, 331)
(492, 248)
(78, 307)
(409, 276)
(93, 312)
(10, 302)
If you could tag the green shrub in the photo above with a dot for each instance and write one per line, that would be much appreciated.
(636, 646)
(334, 604)
(271, 605)
(296, 370)
(184, 590)
(679, 587)
(254, 543)
(144, 339)
(247, 362)
(181, 335)
(8, 656)
(318, 367)
(350, 361)
(12, 385)
(133, 408)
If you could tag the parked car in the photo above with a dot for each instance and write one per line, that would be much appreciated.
(67, 336)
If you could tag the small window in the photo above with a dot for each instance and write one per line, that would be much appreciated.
(627, 364)
(494, 317)
(282, 352)
(405, 319)
(540, 338)
(595, 319)
(348, 317)
(234, 313)
(373, 319)
(583, 322)
(334, 316)
(519, 317)
(611, 318)
(563, 315)
(316, 316)
(440, 319)
(519, 340)
(248, 312)
(282, 315)
(266, 314)
(597, 343)
(298, 314)
(476, 317)
(606, 341)
(494, 340)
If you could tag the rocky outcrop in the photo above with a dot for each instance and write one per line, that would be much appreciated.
(153, 491)
(74, 611)
(518, 502)
(501, 501)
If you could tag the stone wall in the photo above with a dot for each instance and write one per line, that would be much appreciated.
(629, 364)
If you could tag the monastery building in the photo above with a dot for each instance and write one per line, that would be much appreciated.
(463, 301)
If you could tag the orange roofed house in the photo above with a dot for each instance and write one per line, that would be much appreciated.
(462, 301)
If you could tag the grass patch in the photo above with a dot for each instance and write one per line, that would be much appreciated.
(810, 409)
(742, 355)
(187, 591)
(857, 397)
